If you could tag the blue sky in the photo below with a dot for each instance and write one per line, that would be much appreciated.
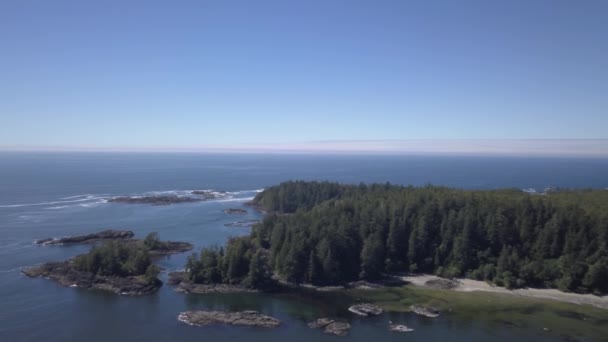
(220, 74)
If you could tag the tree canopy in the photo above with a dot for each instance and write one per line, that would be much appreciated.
(329, 233)
(121, 258)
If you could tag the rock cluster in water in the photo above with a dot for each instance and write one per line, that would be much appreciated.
(244, 318)
(330, 326)
(198, 196)
(209, 194)
(103, 235)
(424, 311)
(365, 309)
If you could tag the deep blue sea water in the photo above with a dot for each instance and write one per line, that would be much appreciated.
(58, 194)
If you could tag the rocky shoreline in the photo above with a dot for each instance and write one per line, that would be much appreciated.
(354, 285)
(257, 207)
(66, 274)
(247, 318)
(184, 285)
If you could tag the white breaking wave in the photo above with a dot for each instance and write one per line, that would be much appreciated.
(16, 269)
(168, 192)
(77, 196)
(94, 204)
(84, 205)
(244, 192)
(91, 200)
(58, 207)
(238, 199)
(49, 203)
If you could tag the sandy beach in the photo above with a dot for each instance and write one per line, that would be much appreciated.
(469, 285)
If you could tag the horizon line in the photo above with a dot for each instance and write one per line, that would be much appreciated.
(483, 147)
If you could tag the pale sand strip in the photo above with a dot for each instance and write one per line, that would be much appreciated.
(468, 285)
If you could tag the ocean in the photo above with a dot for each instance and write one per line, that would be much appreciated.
(58, 194)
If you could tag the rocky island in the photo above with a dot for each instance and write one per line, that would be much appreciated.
(152, 242)
(193, 196)
(68, 273)
(154, 200)
(103, 235)
(123, 266)
(209, 194)
(248, 318)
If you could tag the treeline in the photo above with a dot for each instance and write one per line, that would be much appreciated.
(327, 233)
(120, 258)
(242, 263)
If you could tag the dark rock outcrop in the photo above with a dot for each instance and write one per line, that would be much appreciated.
(365, 309)
(237, 211)
(242, 318)
(67, 275)
(330, 326)
(103, 235)
(154, 200)
(320, 323)
(424, 311)
(337, 328)
(399, 327)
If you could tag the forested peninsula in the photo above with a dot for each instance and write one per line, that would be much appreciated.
(326, 233)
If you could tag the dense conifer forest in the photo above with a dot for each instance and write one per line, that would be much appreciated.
(327, 233)
(119, 258)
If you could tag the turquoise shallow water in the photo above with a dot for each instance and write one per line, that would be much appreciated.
(58, 194)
